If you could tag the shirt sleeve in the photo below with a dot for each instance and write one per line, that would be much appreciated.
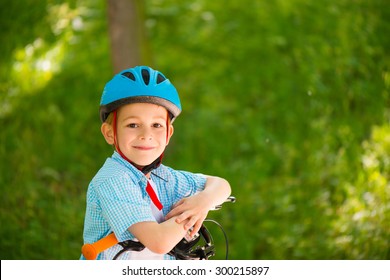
(188, 183)
(123, 204)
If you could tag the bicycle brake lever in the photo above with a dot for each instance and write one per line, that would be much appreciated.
(231, 199)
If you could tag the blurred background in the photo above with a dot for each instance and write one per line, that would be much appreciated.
(287, 99)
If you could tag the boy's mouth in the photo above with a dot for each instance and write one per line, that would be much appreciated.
(143, 148)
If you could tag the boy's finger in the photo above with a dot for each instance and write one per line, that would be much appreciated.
(171, 214)
(182, 217)
(195, 229)
(174, 212)
(190, 224)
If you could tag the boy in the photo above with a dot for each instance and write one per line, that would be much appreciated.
(133, 194)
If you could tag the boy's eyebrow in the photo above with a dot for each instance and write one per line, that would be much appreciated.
(160, 117)
(130, 117)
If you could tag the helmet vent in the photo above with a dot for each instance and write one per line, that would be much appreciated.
(160, 78)
(145, 76)
(129, 75)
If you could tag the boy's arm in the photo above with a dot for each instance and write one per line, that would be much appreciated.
(191, 211)
(159, 238)
(188, 212)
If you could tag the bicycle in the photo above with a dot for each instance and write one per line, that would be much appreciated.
(200, 247)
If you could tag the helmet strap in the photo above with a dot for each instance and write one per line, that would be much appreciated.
(114, 126)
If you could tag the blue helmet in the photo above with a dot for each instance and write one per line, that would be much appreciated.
(140, 84)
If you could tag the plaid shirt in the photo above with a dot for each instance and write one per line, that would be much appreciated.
(117, 199)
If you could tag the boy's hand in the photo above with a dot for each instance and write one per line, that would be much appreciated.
(193, 209)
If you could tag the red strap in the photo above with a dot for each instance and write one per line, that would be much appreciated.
(153, 196)
(114, 124)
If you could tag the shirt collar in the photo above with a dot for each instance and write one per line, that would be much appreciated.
(135, 172)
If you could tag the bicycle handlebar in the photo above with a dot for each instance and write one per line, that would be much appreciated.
(231, 199)
(91, 251)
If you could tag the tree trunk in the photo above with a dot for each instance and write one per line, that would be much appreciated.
(127, 33)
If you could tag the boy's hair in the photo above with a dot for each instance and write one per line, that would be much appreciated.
(140, 84)
(109, 118)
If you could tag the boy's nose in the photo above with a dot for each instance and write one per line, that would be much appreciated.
(143, 137)
(146, 134)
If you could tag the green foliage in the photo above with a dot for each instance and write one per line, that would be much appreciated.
(279, 97)
(50, 131)
(288, 100)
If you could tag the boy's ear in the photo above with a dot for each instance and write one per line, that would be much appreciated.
(108, 133)
(170, 133)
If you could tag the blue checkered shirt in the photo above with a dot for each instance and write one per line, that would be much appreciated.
(117, 199)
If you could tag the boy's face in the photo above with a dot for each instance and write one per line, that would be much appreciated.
(141, 132)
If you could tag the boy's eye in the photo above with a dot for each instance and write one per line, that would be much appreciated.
(132, 125)
(157, 125)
